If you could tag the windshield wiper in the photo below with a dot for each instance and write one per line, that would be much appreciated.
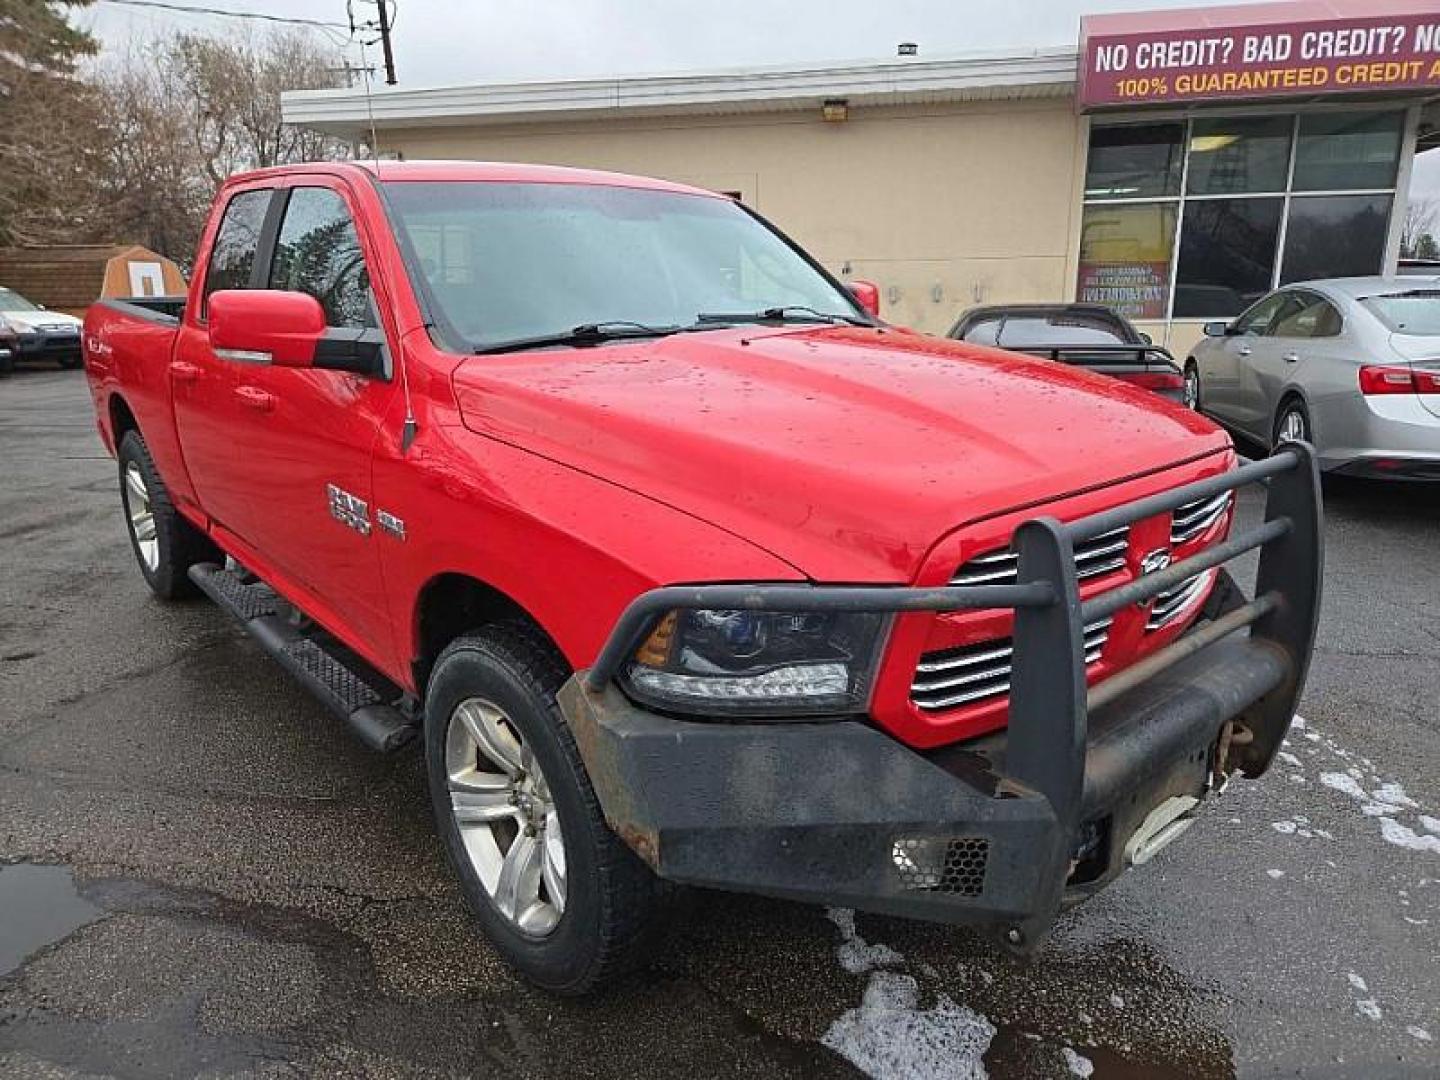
(787, 313)
(585, 334)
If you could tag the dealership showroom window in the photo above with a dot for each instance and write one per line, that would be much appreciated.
(1202, 216)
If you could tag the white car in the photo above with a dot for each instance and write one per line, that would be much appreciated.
(41, 334)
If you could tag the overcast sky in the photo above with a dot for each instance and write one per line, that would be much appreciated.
(438, 42)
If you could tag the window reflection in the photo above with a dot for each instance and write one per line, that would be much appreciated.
(1335, 236)
(1227, 255)
(1231, 156)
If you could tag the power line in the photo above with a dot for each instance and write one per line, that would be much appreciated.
(195, 10)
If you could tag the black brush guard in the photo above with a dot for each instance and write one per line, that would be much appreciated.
(1029, 820)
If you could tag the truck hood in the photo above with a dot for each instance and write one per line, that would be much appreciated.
(848, 452)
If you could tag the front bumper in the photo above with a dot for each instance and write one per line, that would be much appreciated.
(49, 346)
(1004, 831)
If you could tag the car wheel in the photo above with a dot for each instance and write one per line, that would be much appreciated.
(1192, 386)
(1293, 423)
(559, 895)
(165, 544)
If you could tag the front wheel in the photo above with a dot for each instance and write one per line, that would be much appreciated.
(1192, 386)
(558, 894)
(1292, 424)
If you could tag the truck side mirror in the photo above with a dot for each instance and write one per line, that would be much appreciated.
(265, 326)
(868, 294)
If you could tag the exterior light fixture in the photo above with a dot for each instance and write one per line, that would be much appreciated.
(835, 110)
(908, 48)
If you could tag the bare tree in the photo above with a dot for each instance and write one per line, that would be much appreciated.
(184, 113)
(1420, 221)
(230, 90)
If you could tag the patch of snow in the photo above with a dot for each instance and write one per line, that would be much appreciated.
(855, 954)
(1297, 722)
(1289, 758)
(1312, 736)
(1343, 783)
(1325, 833)
(890, 1036)
(1406, 837)
(1078, 1064)
(1369, 1008)
(1393, 794)
(1276, 874)
(1430, 824)
(1357, 982)
(1286, 827)
(1297, 778)
(1376, 809)
(1418, 1033)
(1358, 774)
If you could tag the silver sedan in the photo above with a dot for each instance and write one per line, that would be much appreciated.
(1350, 364)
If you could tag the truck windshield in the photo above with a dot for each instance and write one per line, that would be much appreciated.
(511, 262)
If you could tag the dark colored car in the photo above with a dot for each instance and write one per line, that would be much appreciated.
(1082, 335)
(9, 346)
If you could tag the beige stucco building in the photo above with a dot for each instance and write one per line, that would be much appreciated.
(963, 180)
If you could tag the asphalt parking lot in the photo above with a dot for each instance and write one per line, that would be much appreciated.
(210, 877)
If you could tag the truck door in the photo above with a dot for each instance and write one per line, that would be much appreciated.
(207, 412)
(307, 436)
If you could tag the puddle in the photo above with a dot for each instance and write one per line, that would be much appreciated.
(41, 907)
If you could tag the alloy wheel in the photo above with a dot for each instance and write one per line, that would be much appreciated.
(502, 805)
(142, 516)
(1292, 426)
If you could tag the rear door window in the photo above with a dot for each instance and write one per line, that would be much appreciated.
(1311, 316)
(232, 257)
(318, 252)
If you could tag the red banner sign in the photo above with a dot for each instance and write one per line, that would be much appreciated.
(1332, 56)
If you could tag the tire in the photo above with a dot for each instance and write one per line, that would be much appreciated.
(165, 544)
(1192, 385)
(1292, 421)
(505, 679)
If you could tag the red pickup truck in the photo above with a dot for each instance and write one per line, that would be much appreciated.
(688, 569)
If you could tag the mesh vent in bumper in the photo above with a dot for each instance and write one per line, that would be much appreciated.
(953, 866)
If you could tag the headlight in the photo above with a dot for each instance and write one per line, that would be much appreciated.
(757, 663)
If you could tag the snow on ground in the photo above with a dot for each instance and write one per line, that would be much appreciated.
(1385, 800)
(1079, 1064)
(889, 1036)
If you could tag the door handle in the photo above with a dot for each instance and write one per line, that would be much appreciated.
(1291, 358)
(255, 398)
(183, 372)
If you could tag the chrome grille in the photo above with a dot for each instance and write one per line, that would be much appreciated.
(950, 677)
(1193, 518)
(1174, 602)
(1098, 555)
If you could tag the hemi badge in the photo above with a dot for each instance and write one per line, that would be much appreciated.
(390, 523)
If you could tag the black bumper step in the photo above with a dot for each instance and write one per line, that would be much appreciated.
(368, 702)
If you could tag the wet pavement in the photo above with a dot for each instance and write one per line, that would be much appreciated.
(211, 878)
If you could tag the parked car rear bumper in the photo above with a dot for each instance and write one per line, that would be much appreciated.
(1004, 831)
(1391, 435)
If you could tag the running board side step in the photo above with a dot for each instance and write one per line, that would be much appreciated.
(372, 707)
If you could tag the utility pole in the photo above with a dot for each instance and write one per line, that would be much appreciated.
(385, 41)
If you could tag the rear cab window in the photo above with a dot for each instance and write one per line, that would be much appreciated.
(232, 256)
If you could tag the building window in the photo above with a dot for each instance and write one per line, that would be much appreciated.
(1196, 219)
